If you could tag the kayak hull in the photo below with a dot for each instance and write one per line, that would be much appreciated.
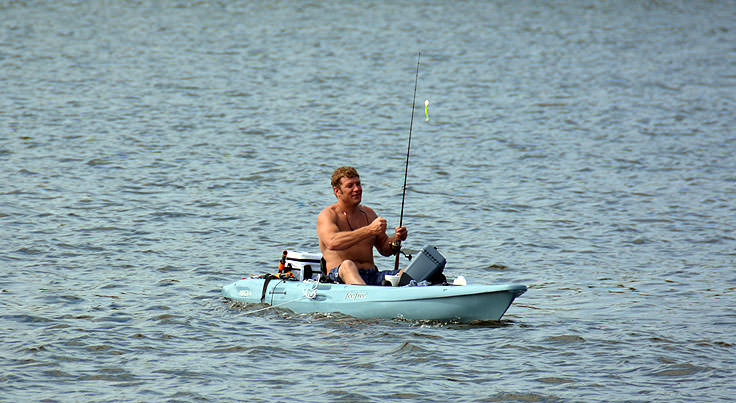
(436, 303)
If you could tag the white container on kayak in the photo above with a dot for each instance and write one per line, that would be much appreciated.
(305, 263)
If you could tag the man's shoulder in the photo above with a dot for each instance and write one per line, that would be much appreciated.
(329, 211)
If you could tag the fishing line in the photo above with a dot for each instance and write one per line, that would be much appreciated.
(397, 243)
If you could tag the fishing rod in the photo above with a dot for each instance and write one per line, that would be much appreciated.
(397, 243)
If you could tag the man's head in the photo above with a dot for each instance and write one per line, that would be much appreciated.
(343, 172)
(346, 176)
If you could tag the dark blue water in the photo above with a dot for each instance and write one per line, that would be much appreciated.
(152, 152)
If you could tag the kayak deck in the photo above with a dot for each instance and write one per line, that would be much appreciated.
(438, 302)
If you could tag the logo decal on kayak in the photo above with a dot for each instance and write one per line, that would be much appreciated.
(354, 295)
(245, 293)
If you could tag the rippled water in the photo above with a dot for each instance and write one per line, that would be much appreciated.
(154, 151)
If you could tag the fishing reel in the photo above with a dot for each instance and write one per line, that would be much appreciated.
(396, 246)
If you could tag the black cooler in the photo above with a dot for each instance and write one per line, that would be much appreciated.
(427, 265)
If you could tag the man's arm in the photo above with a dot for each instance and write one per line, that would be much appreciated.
(384, 243)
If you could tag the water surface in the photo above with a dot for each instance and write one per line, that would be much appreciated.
(153, 152)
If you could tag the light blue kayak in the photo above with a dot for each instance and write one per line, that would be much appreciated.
(464, 303)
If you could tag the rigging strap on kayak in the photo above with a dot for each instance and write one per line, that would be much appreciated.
(267, 278)
(310, 288)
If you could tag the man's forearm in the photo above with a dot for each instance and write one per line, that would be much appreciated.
(345, 239)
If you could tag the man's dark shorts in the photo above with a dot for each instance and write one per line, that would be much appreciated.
(370, 276)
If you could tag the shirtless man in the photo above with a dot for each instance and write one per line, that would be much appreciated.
(348, 232)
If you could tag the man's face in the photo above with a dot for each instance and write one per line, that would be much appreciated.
(350, 190)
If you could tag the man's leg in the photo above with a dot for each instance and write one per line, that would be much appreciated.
(349, 273)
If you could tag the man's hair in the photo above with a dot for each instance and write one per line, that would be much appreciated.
(343, 172)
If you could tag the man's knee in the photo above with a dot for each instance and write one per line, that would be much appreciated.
(349, 273)
(348, 266)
